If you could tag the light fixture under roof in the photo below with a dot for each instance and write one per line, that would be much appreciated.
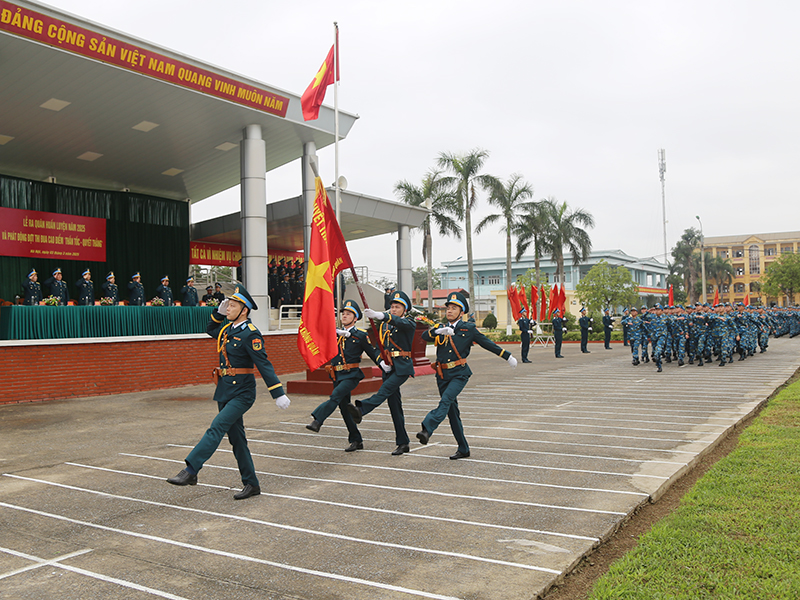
(55, 104)
(225, 146)
(355, 231)
(172, 172)
(4, 139)
(145, 126)
(89, 156)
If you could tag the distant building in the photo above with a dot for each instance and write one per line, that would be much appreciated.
(491, 284)
(750, 255)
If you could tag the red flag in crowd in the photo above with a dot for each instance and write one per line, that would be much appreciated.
(315, 93)
(562, 301)
(671, 299)
(534, 300)
(747, 300)
(543, 310)
(327, 256)
(716, 296)
(554, 296)
(514, 301)
(523, 299)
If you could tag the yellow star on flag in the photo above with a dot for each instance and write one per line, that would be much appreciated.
(320, 74)
(318, 277)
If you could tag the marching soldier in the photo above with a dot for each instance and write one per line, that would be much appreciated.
(85, 289)
(110, 289)
(635, 334)
(33, 289)
(525, 331)
(345, 370)
(657, 328)
(189, 293)
(164, 292)
(397, 335)
(624, 322)
(240, 346)
(136, 290)
(586, 326)
(608, 325)
(559, 327)
(453, 344)
(58, 287)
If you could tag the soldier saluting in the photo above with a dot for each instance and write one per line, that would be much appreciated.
(85, 289)
(58, 287)
(110, 289)
(33, 289)
(137, 290)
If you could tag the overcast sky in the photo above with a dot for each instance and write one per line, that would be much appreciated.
(577, 96)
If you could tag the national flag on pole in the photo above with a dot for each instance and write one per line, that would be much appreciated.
(671, 299)
(562, 301)
(543, 310)
(716, 296)
(514, 301)
(534, 299)
(315, 93)
(554, 296)
(523, 298)
(327, 256)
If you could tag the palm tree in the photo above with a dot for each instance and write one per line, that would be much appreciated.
(566, 231)
(509, 198)
(721, 271)
(435, 195)
(533, 228)
(687, 262)
(465, 169)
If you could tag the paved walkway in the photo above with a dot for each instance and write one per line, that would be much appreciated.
(562, 452)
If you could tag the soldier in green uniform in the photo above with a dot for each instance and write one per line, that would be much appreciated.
(164, 292)
(189, 293)
(586, 326)
(110, 289)
(345, 370)
(453, 344)
(397, 335)
(136, 290)
(85, 287)
(33, 289)
(58, 287)
(240, 346)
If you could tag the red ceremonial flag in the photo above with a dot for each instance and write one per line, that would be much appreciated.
(534, 299)
(523, 299)
(554, 296)
(543, 310)
(315, 93)
(747, 300)
(716, 296)
(514, 301)
(327, 256)
(671, 300)
(562, 301)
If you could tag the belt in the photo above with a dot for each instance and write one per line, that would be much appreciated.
(345, 367)
(453, 363)
(400, 353)
(222, 371)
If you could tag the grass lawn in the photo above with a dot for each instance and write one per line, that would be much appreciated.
(736, 534)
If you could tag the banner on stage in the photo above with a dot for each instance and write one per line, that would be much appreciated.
(218, 255)
(36, 234)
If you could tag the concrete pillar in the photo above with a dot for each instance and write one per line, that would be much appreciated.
(405, 281)
(254, 222)
(309, 193)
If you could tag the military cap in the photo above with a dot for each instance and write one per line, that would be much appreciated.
(401, 298)
(32, 273)
(458, 299)
(522, 310)
(56, 272)
(217, 285)
(110, 275)
(86, 272)
(634, 309)
(583, 309)
(353, 307)
(165, 278)
(240, 294)
(606, 309)
(389, 288)
(135, 275)
(658, 306)
(188, 279)
(558, 310)
(208, 287)
(644, 307)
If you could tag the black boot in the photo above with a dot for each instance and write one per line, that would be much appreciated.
(658, 364)
(680, 362)
(700, 362)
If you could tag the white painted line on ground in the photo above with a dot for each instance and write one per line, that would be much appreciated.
(640, 380)
(38, 562)
(365, 508)
(55, 563)
(362, 466)
(565, 404)
(417, 448)
(391, 488)
(336, 536)
(416, 471)
(233, 555)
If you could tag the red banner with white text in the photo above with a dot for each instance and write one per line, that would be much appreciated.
(36, 234)
(221, 255)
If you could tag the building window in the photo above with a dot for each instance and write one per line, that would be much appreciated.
(738, 253)
(738, 288)
(722, 253)
(725, 288)
(755, 263)
(483, 280)
(787, 250)
(710, 289)
(770, 251)
(494, 279)
(739, 271)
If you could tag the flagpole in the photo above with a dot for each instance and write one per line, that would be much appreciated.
(338, 282)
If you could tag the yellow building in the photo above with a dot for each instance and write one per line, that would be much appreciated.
(750, 256)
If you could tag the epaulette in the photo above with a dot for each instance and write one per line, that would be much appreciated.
(361, 330)
(252, 327)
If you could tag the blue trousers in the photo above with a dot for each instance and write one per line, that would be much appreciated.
(449, 389)
(228, 421)
(390, 390)
(342, 388)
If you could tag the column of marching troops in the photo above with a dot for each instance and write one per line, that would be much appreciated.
(111, 291)
(701, 333)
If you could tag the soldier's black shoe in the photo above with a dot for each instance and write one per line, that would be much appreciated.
(401, 449)
(183, 478)
(559, 356)
(691, 361)
(459, 454)
(669, 359)
(723, 362)
(646, 358)
(423, 436)
(354, 446)
(700, 362)
(763, 350)
(742, 357)
(354, 412)
(659, 368)
(314, 425)
(249, 490)
(527, 361)
(730, 360)
(680, 362)
(635, 362)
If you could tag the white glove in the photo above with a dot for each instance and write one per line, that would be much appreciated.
(512, 362)
(374, 314)
(223, 307)
(386, 368)
(343, 332)
(444, 331)
(530, 331)
(591, 320)
(590, 329)
(283, 402)
(564, 329)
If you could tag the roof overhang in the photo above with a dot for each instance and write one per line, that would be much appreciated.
(98, 139)
(361, 216)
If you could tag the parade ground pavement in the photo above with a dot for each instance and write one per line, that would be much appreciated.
(562, 452)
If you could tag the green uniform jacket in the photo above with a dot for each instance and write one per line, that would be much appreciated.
(464, 335)
(350, 350)
(397, 334)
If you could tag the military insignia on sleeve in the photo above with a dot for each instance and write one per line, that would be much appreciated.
(258, 344)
